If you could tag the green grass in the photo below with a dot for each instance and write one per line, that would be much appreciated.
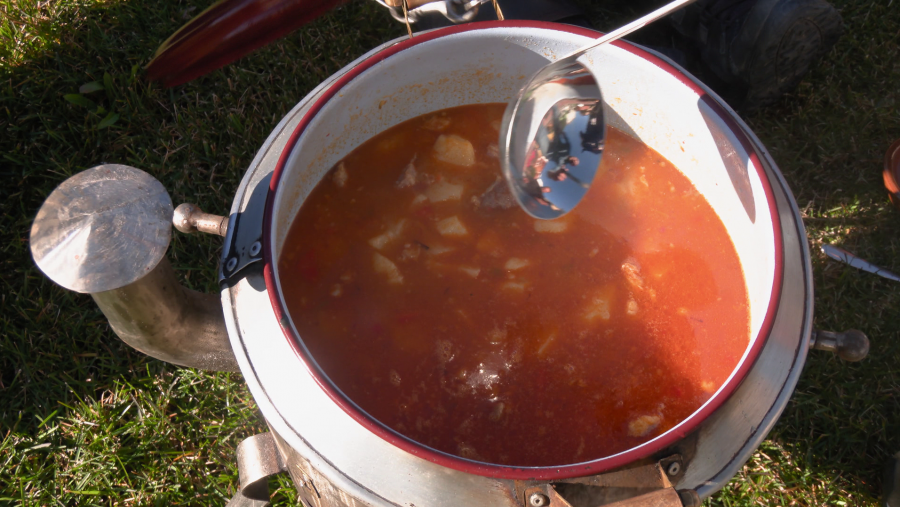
(85, 420)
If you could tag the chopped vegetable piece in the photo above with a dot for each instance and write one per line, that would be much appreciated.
(452, 227)
(515, 263)
(439, 249)
(444, 191)
(551, 226)
(384, 266)
(455, 150)
(469, 270)
(408, 178)
(436, 122)
(631, 308)
(643, 425)
(514, 286)
(340, 175)
(393, 232)
(600, 304)
(411, 251)
(633, 275)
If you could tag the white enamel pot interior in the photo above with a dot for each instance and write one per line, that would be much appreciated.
(645, 97)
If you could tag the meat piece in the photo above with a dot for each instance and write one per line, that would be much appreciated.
(497, 196)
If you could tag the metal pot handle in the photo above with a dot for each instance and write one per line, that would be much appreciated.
(257, 459)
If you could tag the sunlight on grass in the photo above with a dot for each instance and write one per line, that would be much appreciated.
(86, 420)
(29, 27)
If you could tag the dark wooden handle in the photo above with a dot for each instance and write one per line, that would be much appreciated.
(227, 31)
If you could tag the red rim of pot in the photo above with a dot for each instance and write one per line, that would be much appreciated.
(487, 469)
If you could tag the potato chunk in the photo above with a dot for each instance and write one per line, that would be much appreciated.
(600, 304)
(393, 232)
(551, 226)
(443, 191)
(452, 227)
(643, 425)
(471, 271)
(455, 150)
(408, 178)
(384, 266)
(515, 263)
(631, 308)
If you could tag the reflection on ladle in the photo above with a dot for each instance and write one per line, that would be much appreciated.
(562, 103)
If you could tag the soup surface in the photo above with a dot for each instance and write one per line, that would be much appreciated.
(447, 313)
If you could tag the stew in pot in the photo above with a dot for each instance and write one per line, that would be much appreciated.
(444, 311)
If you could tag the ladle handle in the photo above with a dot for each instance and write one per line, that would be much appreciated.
(634, 25)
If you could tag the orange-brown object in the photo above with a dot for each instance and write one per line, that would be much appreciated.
(227, 31)
(891, 172)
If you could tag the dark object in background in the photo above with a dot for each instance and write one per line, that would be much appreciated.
(230, 29)
(754, 51)
(751, 52)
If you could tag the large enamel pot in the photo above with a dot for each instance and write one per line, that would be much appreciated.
(335, 453)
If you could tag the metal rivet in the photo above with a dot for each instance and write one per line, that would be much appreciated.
(231, 264)
(538, 500)
(255, 248)
(674, 468)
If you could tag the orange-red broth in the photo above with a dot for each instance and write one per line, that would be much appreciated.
(487, 334)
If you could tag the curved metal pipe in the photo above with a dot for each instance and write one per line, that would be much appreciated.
(164, 320)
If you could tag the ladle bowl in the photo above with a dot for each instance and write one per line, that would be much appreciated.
(553, 131)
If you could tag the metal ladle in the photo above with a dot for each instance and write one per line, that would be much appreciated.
(553, 132)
